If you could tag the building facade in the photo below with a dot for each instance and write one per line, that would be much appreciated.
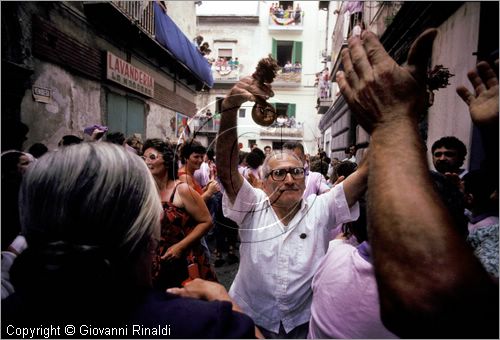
(69, 65)
(296, 38)
(468, 33)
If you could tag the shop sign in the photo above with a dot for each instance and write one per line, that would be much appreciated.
(123, 73)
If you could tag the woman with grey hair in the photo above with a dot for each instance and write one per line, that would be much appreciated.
(91, 217)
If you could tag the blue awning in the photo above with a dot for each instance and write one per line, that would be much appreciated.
(170, 36)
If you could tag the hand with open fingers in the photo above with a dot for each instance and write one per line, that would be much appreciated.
(377, 89)
(202, 289)
(247, 89)
(483, 105)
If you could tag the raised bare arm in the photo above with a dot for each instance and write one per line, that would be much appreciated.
(247, 89)
(430, 283)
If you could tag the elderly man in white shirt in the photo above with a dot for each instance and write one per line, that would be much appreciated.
(283, 237)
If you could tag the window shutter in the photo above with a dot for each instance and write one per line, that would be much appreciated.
(291, 110)
(297, 52)
(274, 50)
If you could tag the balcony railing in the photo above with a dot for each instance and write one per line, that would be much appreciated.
(140, 12)
(225, 71)
(286, 20)
(289, 129)
(204, 124)
(289, 75)
(324, 93)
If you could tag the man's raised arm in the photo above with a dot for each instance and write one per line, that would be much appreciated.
(430, 283)
(247, 89)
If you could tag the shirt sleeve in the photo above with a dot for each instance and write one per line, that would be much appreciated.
(246, 201)
(335, 203)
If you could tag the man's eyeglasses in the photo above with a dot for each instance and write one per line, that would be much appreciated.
(151, 156)
(438, 154)
(280, 174)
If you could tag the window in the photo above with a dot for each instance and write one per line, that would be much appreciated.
(241, 113)
(278, 145)
(287, 109)
(218, 104)
(287, 51)
(226, 53)
(285, 4)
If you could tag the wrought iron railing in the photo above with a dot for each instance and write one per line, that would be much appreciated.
(140, 12)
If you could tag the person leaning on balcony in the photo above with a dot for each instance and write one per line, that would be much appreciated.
(297, 67)
(297, 14)
(430, 283)
(283, 236)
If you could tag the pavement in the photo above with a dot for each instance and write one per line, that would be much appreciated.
(226, 272)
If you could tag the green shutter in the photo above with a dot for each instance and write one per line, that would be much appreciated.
(274, 50)
(117, 113)
(125, 115)
(135, 117)
(297, 52)
(291, 110)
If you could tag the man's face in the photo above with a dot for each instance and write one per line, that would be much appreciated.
(267, 151)
(446, 160)
(288, 191)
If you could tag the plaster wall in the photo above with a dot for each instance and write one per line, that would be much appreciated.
(453, 48)
(183, 13)
(75, 104)
(158, 122)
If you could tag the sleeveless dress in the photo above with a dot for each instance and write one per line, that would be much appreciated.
(177, 224)
(196, 186)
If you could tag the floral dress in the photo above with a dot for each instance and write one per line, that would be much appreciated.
(177, 224)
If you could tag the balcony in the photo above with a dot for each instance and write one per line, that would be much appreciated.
(289, 76)
(204, 125)
(140, 12)
(324, 92)
(225, 72)
(291, 129)
(286, 20)
(144, 26)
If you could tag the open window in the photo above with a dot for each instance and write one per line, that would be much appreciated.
(287, 51)
(285, 109)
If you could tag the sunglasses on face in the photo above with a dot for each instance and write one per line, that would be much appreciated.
(446, 153)
(151, 156)
(280, 174)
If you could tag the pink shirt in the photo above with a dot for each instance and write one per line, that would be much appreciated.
(315, 184)
(345, 302)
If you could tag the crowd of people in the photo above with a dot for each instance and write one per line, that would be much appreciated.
(112, 232)
(289, 13)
